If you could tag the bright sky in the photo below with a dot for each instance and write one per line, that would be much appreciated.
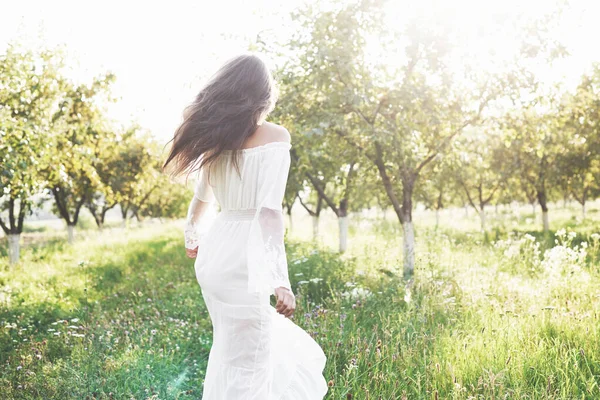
(161, 51)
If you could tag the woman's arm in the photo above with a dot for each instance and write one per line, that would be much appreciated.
(193, 232)
(200, 204)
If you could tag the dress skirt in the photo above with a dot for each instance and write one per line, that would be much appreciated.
(257, 353)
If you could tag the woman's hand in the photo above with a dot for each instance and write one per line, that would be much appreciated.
(286, 301)
(191, 253)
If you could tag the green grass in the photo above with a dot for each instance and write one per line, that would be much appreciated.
(513, 314)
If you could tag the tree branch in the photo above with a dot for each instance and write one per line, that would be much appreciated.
(310, 212)
(321, 191)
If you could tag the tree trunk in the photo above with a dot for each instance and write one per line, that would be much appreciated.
(71, 233)
(437, 217)
(533, 209)
(482, 217)
(291, 222)
(466, 210)
(583, 213)
(409, 248)
(343, 224)
(545, 221)
(13, 248)
(542, 200)
(124, 212)
(315, 226)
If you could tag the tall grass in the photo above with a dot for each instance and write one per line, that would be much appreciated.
(508, 315)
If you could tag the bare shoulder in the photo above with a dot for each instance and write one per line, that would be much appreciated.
(266, 133)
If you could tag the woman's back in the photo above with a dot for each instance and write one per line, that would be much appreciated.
(241, 190)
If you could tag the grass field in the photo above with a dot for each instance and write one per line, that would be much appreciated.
(512, 314)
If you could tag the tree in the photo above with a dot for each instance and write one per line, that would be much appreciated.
(139, 166)
(482, 168)
(330, 171)
(28, 95)
(537, 141)
(435, 189)
(313, 205)
(105, 162)
(323, 161)
(580, 166)
(398, 119)
(169, 200)
(77, 126)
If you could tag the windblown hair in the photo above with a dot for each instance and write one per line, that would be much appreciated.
(228, 110)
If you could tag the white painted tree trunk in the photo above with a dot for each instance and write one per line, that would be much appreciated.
(409, 248)
(71, 232)
(291, 223)
(437, 217)
(315, 226)
(533, 209)
(545, 221)
(482, 217)
(343, 224)
(583, 213)
(466, 210)
(13, 248)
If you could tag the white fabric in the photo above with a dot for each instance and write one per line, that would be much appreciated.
(257, 353)
(199, 209)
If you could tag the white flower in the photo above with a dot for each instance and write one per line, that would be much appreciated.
(357, 293)
(316, 280)
(302, 282)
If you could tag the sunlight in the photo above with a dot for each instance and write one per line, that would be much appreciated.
(161, 54)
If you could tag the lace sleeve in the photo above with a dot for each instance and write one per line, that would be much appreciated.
(267, 260)
(195, 225)
(273, 228)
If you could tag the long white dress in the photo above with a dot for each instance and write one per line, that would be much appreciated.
(256, 353)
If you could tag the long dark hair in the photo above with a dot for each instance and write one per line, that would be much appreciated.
(227, 110)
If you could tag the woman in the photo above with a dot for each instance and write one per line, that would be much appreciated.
(257, 352)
